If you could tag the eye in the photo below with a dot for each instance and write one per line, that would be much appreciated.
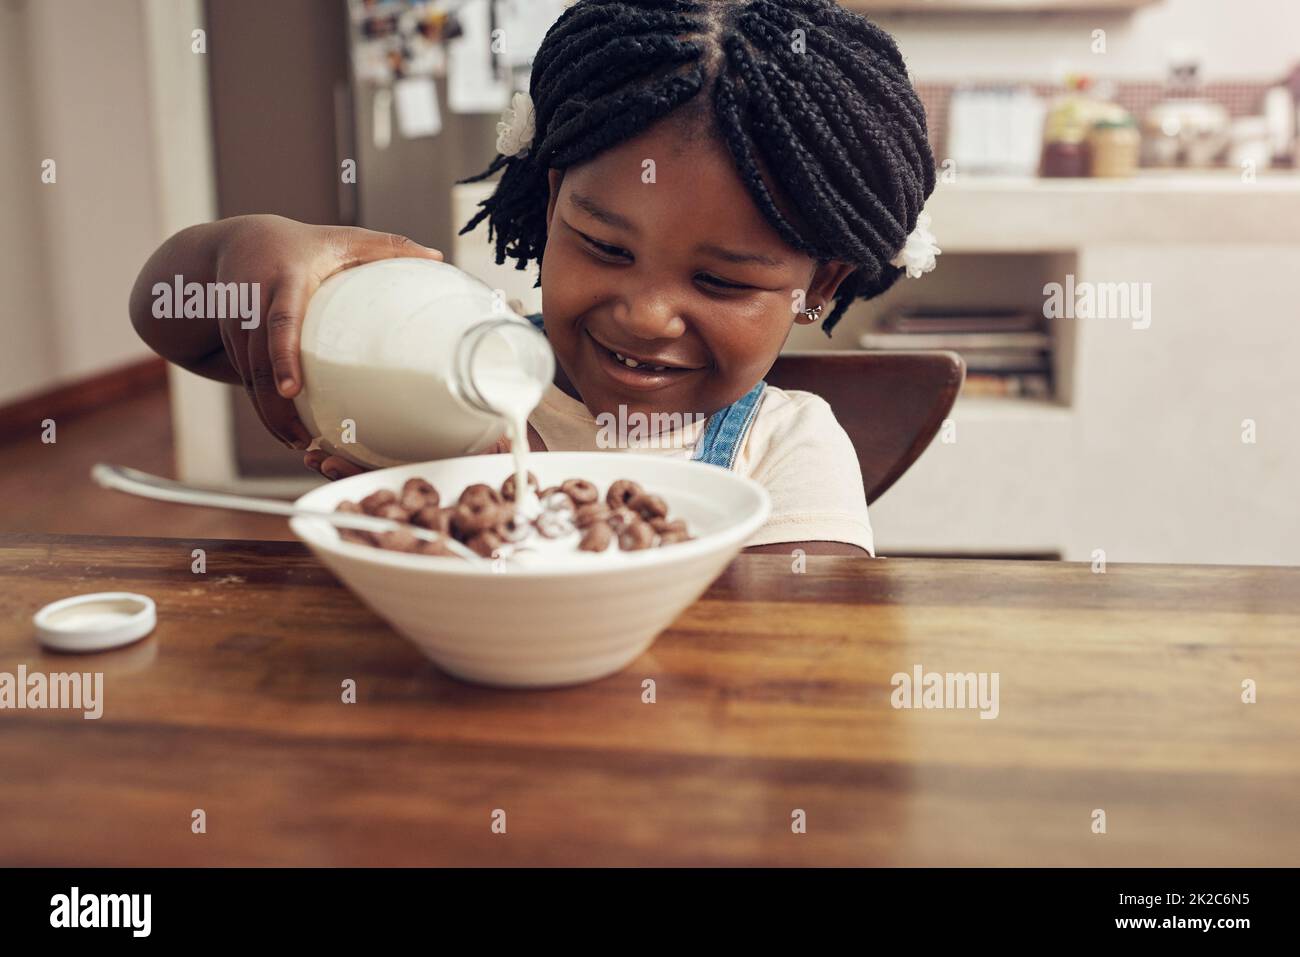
(722, 283)
(604, 248)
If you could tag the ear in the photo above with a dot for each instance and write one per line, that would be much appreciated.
(826, 281)
(555, 177)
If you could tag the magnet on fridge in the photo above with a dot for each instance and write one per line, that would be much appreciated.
(417, 107)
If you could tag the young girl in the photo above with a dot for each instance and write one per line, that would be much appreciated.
(693, 177)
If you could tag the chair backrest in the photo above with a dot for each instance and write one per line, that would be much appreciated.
(892, 404)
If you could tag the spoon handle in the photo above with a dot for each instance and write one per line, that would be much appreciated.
(143, 484)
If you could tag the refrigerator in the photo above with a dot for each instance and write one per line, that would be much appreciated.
(357, 112)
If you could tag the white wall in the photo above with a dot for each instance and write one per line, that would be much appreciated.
(1234, 39)
(28, 357)
(75, 89)
(1148, 464)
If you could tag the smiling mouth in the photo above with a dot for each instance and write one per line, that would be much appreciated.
(636, 364)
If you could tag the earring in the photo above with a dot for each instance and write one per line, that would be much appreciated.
(812, 315)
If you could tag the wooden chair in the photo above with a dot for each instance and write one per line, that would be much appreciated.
(892, 404)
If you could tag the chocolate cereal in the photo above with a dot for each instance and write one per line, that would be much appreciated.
(484, 519)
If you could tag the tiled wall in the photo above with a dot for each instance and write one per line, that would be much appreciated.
(1241, 98)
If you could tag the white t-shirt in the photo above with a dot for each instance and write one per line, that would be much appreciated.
(795, 449)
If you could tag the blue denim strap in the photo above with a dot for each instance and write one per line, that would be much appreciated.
(727, 428)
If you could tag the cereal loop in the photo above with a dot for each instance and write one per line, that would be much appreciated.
(591, 514)
(373, 502)
(508, 486)
(580, 490)
(636, 536)
(557, 501)
(621, 518)
(555, 524)
(485, 543)
(480, 494)
(648, 506)
(622, 492)
(596, 538)
(474, 517)
(514, 528)
(394, 513)
(435, 519)
(418, 494)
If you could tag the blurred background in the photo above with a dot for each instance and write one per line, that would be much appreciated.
(1138, 156)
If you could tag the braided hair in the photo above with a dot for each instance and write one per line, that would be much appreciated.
(836, 123)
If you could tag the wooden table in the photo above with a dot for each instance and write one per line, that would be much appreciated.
(1119, 691)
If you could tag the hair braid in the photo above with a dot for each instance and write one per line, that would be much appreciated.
(793, 161)
(849, 131)
(810, 118)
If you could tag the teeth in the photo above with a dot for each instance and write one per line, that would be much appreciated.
(633, 364)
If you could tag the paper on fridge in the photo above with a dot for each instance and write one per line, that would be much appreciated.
(523, 27)
(472, 82)
(416, 99)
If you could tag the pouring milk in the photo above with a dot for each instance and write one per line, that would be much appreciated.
(408, 360)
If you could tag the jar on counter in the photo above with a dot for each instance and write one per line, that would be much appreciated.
(1066, 158)
(1115, 146)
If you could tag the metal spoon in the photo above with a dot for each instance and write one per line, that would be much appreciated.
(165, 490)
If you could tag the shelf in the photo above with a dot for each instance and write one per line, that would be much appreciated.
(1010, 214)
(1156, 182)
(981, 408)
(994, 6)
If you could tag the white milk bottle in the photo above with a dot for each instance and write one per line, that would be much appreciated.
(408, 360)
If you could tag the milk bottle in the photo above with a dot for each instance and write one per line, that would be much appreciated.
(408, 360)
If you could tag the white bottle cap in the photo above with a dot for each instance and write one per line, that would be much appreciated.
(95, 622)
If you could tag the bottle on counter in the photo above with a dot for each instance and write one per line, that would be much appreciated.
(410, 360)
(1088, 135)
(1280, 121)
(1066, 152)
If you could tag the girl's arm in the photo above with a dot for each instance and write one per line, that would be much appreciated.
(275, 265)
(193, 344)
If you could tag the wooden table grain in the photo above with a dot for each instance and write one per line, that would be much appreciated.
(1119, 692)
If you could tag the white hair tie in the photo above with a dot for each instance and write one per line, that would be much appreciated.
(919, 251)
(518, 126)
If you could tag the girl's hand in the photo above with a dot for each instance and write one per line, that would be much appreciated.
(289, 260)
(333, 467)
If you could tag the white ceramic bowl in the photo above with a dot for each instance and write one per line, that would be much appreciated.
(547, 625)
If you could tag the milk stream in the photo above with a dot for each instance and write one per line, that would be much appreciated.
(513, 395)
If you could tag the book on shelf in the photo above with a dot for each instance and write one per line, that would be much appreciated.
(957, 341)
(934, 322)
(1007, 362)
(1030, 386)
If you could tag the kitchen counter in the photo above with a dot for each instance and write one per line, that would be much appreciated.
(1010, 214)
(1118, 692)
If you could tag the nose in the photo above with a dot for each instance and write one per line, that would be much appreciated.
(650, 316)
